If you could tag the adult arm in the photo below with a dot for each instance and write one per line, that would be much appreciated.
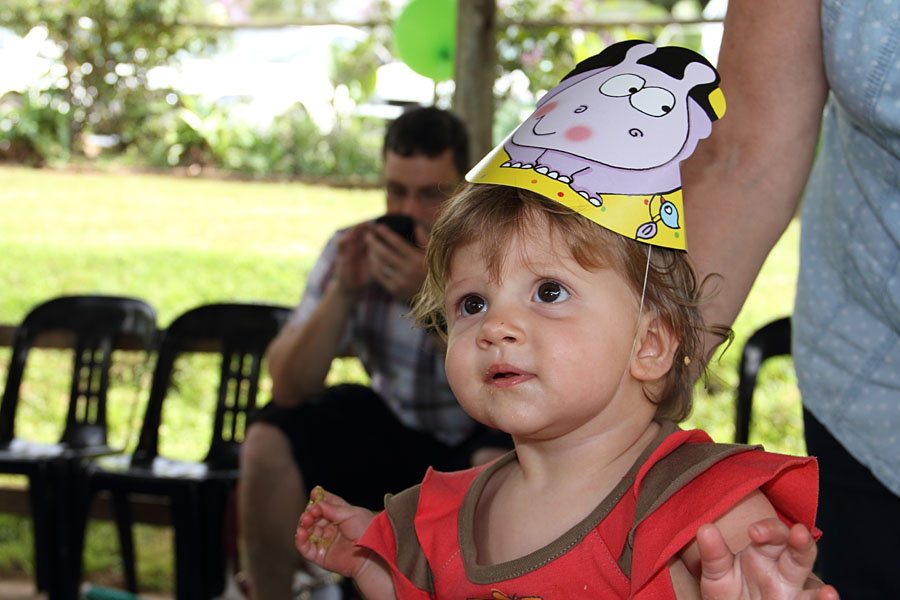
(743, 184)
(300, 355)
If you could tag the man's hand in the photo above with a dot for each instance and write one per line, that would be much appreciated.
(777, 565)
(395, 263)
(352, 267)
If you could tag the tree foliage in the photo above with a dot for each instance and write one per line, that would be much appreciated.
(262, 10)
(545, 54)
(106, 49)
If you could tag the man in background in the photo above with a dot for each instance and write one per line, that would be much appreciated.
(360, 441)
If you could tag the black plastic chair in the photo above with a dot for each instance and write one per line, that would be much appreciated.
(93, 325)
(198, 491)
(773, 339)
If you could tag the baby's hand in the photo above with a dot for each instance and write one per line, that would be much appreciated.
(777, 565)
(327, 531)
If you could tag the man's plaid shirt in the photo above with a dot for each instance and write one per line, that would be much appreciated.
(405, 368)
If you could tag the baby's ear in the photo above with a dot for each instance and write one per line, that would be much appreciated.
(655, 350)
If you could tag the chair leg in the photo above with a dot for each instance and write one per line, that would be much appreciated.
(220, 535)
(42, 520)
(186, 521)
(122, 512)
(230, 532)
(75, 530)
(743, 411)
(72, 506)
(751, 361)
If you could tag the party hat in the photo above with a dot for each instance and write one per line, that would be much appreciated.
(608, 139)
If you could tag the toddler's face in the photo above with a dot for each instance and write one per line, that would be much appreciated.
(541, 352)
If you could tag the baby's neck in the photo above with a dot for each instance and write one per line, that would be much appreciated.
(551, 489)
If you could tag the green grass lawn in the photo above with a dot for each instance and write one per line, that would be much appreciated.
(178, 242)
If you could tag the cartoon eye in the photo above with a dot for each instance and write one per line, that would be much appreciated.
(471, 305)
(581, 109)
(622, 85)
(550, 291)
(653, 101)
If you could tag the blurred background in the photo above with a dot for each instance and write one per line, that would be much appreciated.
(191, 151)
(290, 89)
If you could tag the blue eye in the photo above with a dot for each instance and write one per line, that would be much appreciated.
(471, 305)
(550, 291)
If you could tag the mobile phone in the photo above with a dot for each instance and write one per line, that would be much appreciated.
(402, 225)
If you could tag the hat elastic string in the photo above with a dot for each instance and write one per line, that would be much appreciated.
(637, 327)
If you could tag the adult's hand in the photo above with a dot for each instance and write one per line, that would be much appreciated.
(395, 263)
(315, 342)
(776, 564)
(352, 268)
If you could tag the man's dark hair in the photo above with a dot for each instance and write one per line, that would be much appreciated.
(429, 131)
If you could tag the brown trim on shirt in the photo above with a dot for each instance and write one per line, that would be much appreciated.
(487, 574)
(665, 478)
(411, 560)
(669, 475)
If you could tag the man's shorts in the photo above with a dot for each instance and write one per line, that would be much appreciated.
(350, 443)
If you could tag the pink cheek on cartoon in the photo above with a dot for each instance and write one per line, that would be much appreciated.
(579, 133)
(547, 108)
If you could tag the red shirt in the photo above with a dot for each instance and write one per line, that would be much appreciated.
(621, 550)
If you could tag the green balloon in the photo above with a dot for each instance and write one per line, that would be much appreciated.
(425, 37)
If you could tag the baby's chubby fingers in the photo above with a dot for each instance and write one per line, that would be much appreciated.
(320, 494)
(313, 520)
(327, 531)
(335, 515)
(313, 516)
(311, 537)
(327, 507)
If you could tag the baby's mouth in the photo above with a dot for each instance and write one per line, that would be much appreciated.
(505, 376)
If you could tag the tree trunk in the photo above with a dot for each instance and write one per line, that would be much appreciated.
(475, 71)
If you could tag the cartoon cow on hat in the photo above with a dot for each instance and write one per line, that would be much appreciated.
(620, 123)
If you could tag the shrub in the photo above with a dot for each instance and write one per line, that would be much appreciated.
(34, 127)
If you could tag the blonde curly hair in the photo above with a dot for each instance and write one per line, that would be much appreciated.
(494, 214)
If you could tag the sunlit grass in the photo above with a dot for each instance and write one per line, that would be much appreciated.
(175, 242)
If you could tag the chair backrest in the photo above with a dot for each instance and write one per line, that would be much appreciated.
(772, 339)
(241, 332)
(95, 324)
